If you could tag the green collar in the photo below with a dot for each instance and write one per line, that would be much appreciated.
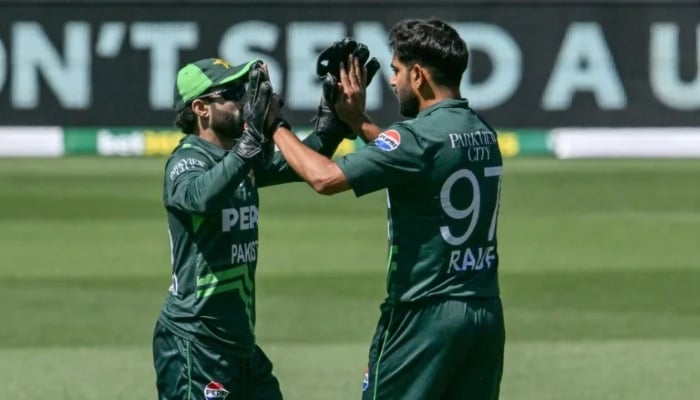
(213, 150)
(449, 103)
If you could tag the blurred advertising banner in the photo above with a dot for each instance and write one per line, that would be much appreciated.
(540, 66)
(55, 141)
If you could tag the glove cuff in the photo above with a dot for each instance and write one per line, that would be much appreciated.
(278, 123)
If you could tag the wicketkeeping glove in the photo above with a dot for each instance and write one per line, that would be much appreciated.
(328, 69)
(326, 123)
(329, 60)
(255, 143)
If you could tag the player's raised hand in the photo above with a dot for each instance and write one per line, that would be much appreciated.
(352, 93)
(330, 60)
(328, 68)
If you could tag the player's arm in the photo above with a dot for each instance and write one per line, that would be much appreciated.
(192, 186)
(396, 157)
(279, 171)
(320, 172)
(328, 133)
(329, 130)
(340, 87)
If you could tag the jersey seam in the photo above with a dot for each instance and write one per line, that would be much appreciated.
(189, 371)
(381, 353)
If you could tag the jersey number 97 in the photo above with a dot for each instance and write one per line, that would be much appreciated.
(471, 213)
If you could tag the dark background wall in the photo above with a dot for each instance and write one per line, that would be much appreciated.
(534, 63)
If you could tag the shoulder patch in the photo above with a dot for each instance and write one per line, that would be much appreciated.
(388, 140)
(183, 165)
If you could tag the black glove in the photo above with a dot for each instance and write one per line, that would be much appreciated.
(329, 60)
(257, 101)
(326, 123)
(255, 143)
(328, 69)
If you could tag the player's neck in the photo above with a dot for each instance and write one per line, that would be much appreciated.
(438, 94)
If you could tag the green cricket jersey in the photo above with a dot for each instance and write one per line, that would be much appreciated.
(442, 171)
(211, 200)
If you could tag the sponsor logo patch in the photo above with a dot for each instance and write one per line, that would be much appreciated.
(388, 140)
(215, 391)
(183, 165)
(365, 380)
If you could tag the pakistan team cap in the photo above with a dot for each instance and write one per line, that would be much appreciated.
(199, 77)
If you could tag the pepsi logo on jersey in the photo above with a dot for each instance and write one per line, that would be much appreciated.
(388, 140)
(215, 391)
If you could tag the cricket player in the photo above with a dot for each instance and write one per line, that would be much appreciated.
(441, 331)
(204, 342)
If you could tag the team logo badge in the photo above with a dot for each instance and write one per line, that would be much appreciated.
(215, 391)
(365, 380)
(224, 63)
(388, 140)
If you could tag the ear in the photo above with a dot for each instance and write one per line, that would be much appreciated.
(419, 76)
(200, 108)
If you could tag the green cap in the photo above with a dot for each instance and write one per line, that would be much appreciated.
(197, 78)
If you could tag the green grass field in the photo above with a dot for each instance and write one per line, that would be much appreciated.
(600, 274)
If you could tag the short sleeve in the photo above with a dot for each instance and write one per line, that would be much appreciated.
(394, 157)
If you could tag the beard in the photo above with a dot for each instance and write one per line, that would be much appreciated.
(408, 104)
(227, 125)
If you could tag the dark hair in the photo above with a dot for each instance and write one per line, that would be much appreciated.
(434, 45)
(186, 120)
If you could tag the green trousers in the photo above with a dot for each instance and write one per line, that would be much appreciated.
(437, 350)
(186, 370)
